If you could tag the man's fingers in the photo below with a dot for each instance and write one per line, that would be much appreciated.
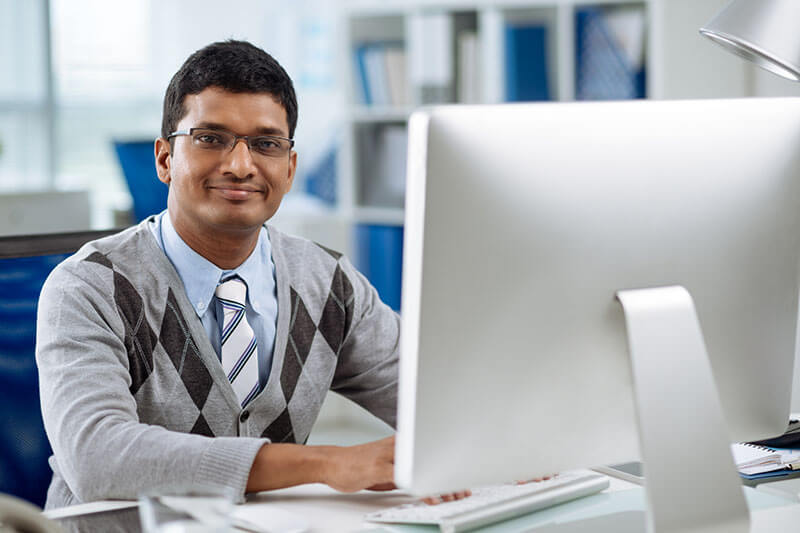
(382, 487)
(536, 479)
(451, 497)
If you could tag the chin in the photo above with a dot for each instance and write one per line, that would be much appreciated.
(237, 223)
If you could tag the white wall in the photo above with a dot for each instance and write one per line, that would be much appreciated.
(698, 68)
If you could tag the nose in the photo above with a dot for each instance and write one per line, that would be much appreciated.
(239, 161)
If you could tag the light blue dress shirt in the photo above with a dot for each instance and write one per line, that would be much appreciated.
(200, 278)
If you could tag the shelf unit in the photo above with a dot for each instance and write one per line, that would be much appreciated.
(441, 40)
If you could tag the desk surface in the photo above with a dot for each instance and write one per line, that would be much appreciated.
(328, 510)
(325, 510)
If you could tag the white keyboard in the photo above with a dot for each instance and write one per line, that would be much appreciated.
(495, 503)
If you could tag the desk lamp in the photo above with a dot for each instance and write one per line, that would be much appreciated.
(762, 31)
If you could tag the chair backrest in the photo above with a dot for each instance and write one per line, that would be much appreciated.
(25, 262)
(138, 162)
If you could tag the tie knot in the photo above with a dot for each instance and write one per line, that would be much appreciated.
(233, 289)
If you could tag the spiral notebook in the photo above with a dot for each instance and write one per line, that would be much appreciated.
(752, 459)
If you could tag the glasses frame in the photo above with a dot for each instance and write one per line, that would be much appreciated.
(247, 138)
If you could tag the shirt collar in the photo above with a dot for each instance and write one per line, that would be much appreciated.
(200, 276)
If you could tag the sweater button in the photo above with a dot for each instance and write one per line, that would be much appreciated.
(244, 416)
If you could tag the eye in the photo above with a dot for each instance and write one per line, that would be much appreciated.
(266, 144)
(209, 138)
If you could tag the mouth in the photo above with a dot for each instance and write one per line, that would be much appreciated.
(236, 192)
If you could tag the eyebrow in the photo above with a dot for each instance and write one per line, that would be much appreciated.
(264, 130)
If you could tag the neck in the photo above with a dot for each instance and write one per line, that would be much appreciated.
(225, 249)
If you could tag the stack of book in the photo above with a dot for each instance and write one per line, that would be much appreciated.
(756, 462)
(380, 69)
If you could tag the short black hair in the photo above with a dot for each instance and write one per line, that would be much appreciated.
(235, 66)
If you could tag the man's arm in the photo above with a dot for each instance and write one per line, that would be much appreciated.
(367, 365)
(347, 469)
(101, 448)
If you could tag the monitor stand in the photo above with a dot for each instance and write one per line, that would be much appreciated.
(691, 481)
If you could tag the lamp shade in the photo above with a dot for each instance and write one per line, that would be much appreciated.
(766, 32)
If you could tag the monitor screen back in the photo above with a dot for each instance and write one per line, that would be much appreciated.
(522, 223)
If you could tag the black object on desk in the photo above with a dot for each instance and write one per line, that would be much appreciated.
(790, 438)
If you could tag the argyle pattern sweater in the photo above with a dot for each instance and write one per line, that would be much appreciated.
(134, 396)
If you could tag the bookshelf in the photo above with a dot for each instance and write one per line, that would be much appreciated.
(457, 51)
(396, 56)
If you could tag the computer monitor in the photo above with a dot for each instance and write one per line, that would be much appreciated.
(522, 224)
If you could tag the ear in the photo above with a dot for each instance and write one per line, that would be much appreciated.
(163, 160)
(292, 170)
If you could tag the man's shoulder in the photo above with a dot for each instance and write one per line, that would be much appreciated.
(125, 250)
(311, 268)
(129, 242)
(292, 246)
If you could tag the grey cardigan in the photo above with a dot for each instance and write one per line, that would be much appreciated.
(134, 397)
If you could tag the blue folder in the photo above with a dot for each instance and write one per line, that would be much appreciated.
(602, 71)
(320, 181)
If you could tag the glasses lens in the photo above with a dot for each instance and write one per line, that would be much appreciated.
(211, 139)
(270, 146)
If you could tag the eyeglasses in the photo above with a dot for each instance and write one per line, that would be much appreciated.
(221, 140)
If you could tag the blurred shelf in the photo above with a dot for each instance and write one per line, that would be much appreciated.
(386, 216)
(370, 114)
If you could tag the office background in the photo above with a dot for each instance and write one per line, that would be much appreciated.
(81, 84)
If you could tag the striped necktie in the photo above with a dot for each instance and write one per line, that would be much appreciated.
(238, 343)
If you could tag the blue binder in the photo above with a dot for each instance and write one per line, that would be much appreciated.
(379, 256)
(362, 80)
(526, 63)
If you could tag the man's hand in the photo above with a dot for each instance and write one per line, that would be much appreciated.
(366, 466)
(345, 468)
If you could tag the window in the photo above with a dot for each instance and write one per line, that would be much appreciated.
(25, 105)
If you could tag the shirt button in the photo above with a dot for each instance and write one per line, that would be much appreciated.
(201, 305)
(244, 416)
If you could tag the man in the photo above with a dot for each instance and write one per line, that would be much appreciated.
(198, 346)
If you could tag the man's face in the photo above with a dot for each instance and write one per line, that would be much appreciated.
(228, 191)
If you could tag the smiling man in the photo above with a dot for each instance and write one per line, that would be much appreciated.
(196, 348)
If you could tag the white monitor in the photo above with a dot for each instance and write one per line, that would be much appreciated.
(522, 224)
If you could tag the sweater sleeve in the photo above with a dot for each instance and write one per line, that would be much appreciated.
(366, 370)
(101, 449)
